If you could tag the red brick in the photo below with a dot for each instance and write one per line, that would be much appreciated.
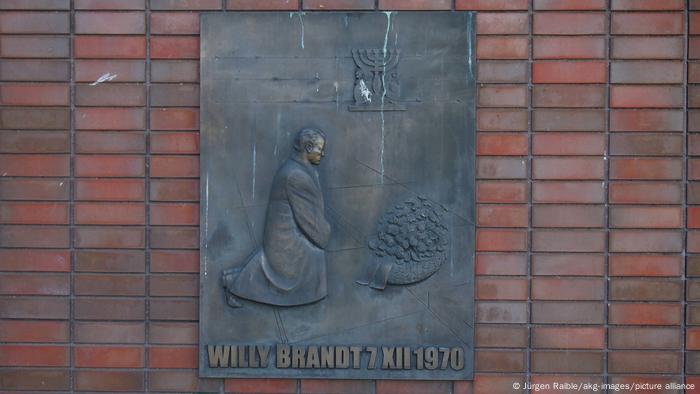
(629, 96)
(501, 120)
(568, 241)
(501, 191)
(174, 190)
(174, 71)
(555, 312)
(35, 379)
(34, 142)
(109, 309)
(320, 386)
(34, 118)
(647, 72)
(693, 169)
(175, 143)
(693, 338)
(644, 362)
(34, 189)
(647, 48)
(693, 217)
(646, 169)
(35, 70)
(110, 95)
(626, 144)
(182, 261)
(694, 23)
(694, 241)
(491, 5)
(269, 5)
(109, 190)
(33, 213)
(568, 337)
(496, 384)
(34, 236)
(501, 312)
(109, 166)
(33, 331)
(694, 97)
(38, 356)
(174, 23)
(260, 386)
(101, 142)
(569, 72)
(502, 71)
(575, 216)
(502, 48)
(174, 47)
(502, 23)
(34, 308)
(500, 240)
(644, 338)
(502, 215)
(174, 238)
(35, 5)
(109, 357)
(35, 260)
(113, 47)
(175, 95)
(583, 5)
(643, 23)
(110, 261)
(646, 217)
(398, 386)
(572, 264)
(635, 5)
(110, 4)
(693, 72)
(172, 357)
(123, 70)
(110, 332)
(34, 284)
(645, 193)
(174, 214)
(503, 96)
(34, 47)
(501, 289)
(488, 335)
(110, 23)
(174, 285)
(646, 289)
(568, 168)
(646, 241)
(110, 237)
(110, 119)
(569, 48)
(501, 144)
(569, 23)
(694, 145)
(321, 5)
(568, 192)
(567, 362)
(498, 361)
(175, 166)
(193, 5)
(34, 94)
(578, 96)
(412, 4)
(34, 23)
(105, 213)
(173, 333)
(644, 265)
(568, 144)
(567, 289)
(501, 264)
(173, 309)
(175, 119)
(109, 380)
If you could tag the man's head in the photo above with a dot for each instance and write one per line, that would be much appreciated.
(311, 143)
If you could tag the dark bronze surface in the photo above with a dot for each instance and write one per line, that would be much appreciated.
(360, 265)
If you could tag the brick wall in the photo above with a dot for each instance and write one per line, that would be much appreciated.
(588, 194)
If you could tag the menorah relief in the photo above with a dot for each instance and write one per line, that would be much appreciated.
(377, 85)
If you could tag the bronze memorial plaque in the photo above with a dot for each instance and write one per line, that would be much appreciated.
(337, 189)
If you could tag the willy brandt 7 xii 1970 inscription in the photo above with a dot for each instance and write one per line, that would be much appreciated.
(337, 188)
